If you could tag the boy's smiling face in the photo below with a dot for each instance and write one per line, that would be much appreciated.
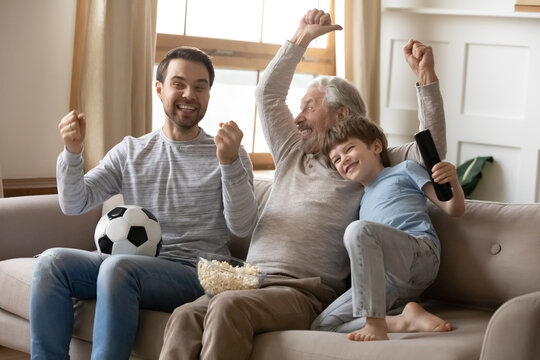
(356, 161)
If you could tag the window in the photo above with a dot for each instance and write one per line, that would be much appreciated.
(241, 43)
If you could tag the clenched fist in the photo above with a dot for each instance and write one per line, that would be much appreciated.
(73, 129)
(420, 59)
(228, 140)
(312, 25)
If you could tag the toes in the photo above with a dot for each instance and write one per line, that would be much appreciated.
(354, 336)
(442, 327)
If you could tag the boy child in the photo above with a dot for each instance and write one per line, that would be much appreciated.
(393, 248)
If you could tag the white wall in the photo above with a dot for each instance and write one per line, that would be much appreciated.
(488, 62)
(36, 37)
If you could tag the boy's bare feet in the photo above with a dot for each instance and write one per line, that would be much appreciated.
(415, 318)
(375, 329)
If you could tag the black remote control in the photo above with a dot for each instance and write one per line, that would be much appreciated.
(431, 157)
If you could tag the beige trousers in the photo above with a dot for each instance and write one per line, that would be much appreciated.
(223, 327)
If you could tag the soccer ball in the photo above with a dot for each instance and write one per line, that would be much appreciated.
(128, 229)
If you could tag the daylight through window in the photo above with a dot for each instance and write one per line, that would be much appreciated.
(241, 43)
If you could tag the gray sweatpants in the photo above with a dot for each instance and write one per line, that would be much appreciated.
(388, 268)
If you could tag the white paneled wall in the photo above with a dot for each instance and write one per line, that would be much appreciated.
(488, 62)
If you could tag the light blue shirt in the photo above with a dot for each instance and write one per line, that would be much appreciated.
(395, 198)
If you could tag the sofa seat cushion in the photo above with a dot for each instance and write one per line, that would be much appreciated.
(15, 279)
(464, 342)
(150, 331)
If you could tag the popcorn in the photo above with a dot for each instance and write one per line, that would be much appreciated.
(217, 276)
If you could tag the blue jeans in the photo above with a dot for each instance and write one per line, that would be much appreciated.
(122, 284)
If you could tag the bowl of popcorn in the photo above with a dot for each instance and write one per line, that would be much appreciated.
(218, 273)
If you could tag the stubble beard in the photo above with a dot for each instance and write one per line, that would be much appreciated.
(182, 124)
(313, 144)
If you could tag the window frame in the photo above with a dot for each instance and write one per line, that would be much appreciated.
(225, 54)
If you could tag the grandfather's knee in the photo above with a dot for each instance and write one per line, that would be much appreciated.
(225, 302)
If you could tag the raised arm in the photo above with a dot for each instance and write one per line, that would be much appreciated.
(430, 104)
(271, 92)
(239, 203)
(77, 192)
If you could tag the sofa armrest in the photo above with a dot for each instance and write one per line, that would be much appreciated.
(32, 224)
(514, 330)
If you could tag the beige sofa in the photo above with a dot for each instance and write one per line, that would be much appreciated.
(488, 287)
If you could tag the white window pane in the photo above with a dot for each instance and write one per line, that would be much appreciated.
(171, 16)
(232, 98)
(231, 19)
(297, 90)
(279, 25)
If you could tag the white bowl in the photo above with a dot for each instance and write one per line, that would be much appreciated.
(218, 273)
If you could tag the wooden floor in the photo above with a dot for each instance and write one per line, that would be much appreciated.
(8, 354)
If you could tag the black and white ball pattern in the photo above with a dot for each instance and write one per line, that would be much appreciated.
(128, 229)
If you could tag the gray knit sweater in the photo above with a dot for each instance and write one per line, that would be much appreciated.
(300, 230)
(196, 200)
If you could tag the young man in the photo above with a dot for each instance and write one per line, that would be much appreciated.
(298, 239)
(393, 249)
(198, 187)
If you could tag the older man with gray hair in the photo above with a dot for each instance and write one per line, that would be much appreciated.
(298, 240)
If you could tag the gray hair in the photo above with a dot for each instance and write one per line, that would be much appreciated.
(340, 92)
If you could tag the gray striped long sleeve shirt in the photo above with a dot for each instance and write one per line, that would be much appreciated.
(196, 200)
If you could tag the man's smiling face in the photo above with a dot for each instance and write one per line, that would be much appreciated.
(314, 119)
(185, 93)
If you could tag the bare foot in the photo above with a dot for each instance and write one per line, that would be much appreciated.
(375, 329)
(415, 318)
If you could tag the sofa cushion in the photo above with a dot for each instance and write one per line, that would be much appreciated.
(149, 336)
(14, 332)
(15, 279)
(489, 255)
(462, 343)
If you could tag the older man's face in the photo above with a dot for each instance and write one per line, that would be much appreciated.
(314, 119)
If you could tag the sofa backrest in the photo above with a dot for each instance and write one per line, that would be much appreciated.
(32, 224)
(489, 255)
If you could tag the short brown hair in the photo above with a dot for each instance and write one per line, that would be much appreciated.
(355, 126)
(187, 53)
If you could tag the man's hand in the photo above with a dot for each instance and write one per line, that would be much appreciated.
(73, 129)
(420, 59)
(312, 25)
(228, 141)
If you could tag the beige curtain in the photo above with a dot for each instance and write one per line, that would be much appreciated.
(1, 185)
(362, 50)
(116, 74)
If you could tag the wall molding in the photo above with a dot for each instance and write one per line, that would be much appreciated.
(528, 14)
(29, 186)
